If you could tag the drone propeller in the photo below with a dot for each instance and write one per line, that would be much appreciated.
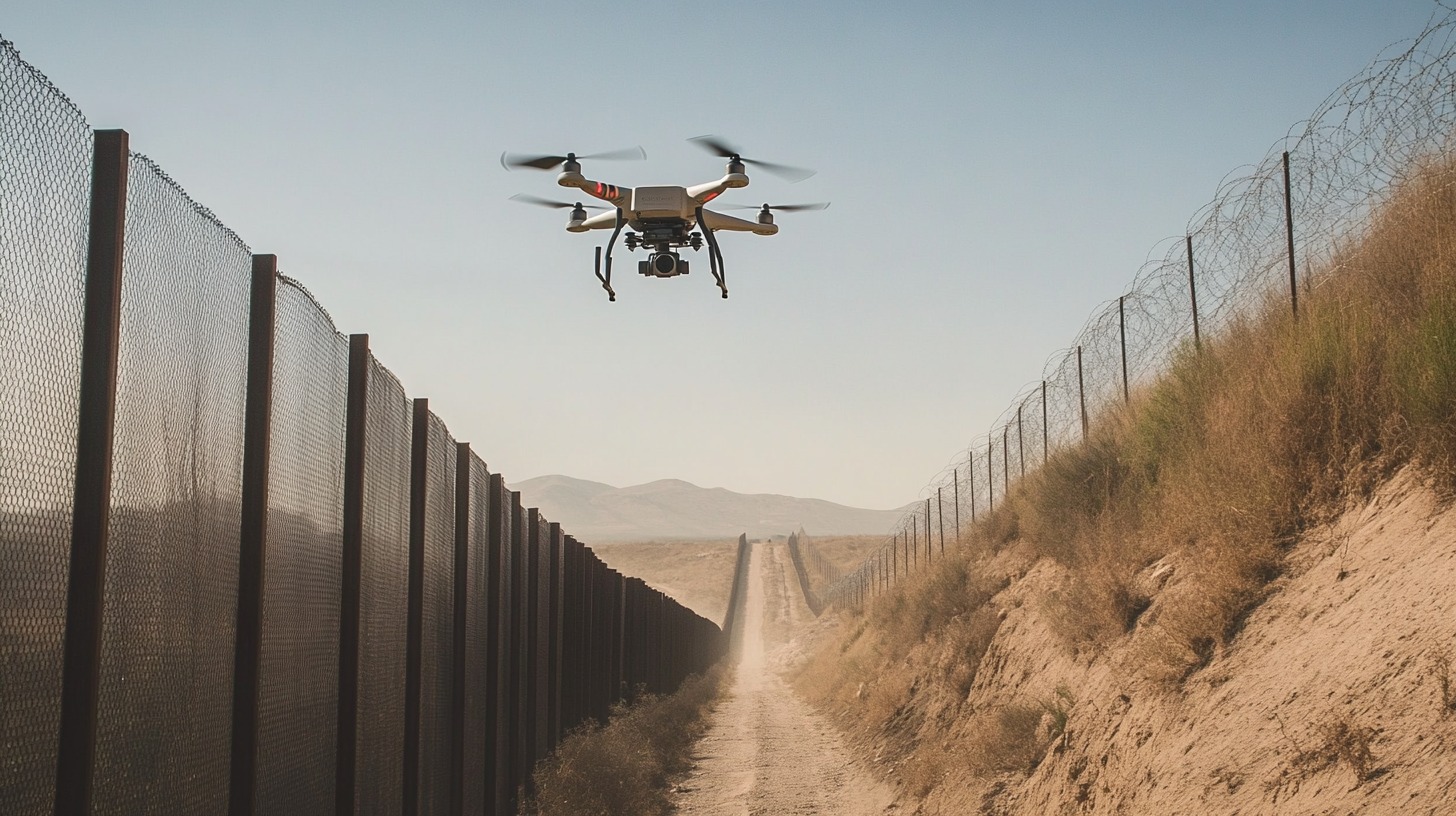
(553, 204)
(513, 160)
(718, 147)
(822, 205)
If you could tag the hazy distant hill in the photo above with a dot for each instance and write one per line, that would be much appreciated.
(671, 508)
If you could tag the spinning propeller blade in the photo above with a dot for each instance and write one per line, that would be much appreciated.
(513, 160)
(553, 204)
(718, 147)
(821, 205)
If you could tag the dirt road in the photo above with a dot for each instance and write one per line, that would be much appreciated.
(766, 751)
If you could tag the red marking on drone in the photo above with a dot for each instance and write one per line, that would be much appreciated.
(607, 191)
(710, 196)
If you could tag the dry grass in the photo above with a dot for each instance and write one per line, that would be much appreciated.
(1203, 482)
(625, 766)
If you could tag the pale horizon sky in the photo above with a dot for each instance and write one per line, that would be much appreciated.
(997, 171)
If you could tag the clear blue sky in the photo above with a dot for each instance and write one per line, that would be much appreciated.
(996, 169)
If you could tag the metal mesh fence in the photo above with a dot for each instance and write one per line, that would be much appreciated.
(171, 575)
(298, 697)
(384, 595)
(165, 706)
(45, 179)
(1368, 137)
(438, 644)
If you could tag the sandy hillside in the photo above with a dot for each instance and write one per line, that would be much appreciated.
(1338, 695)
(697, 574)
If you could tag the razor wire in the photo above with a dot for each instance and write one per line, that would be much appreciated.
(1367, 138)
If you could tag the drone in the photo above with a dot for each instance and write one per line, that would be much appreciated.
(662, 219)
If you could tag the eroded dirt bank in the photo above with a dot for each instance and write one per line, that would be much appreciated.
(767, 752)
(1338, 695)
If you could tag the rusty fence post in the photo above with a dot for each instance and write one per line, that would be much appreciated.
(91, 508)
(253, 536)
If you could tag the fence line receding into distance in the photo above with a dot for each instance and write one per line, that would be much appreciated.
(1268, 234)
(240, 570)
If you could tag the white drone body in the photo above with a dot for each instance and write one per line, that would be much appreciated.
(643, 205)
(662, 218)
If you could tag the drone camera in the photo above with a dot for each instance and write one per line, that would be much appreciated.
(663, 265)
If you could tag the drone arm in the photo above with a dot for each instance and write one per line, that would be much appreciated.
(606, 220)
(703, 193)
(610, 193)
(719, 221)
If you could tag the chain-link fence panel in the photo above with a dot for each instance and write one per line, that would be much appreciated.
(165, 704)
(437, 645)
(383, 595)
(298, 679)
(45, 183)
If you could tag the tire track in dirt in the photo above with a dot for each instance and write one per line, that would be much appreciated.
(766, 752)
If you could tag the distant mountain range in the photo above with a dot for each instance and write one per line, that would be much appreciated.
(671, 508)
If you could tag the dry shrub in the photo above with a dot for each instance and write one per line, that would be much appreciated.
(624, 766)
(1009, 739)
(964, 642)
(1340, 741)
(925, 769)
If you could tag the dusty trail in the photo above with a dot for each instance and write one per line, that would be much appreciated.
(766, 752)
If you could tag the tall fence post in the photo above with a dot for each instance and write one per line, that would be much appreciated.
(347, 757)
(927, 531)
(1193, 294)
(915, 540)
(1289, 237)
(955, 475)
(940, 512)
(499, 657)
(1045, 434)
(253, 536)
(520, 654)
(91, 508)
(1122, 338)
(1006, 461)
(1020, 441)
(1082, 393)
(414, 628)
(557, 542)
(460, 598)
(990, 479)
(971, 483)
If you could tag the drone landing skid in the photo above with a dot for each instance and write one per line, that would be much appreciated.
(607, 278)
(715, 255)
